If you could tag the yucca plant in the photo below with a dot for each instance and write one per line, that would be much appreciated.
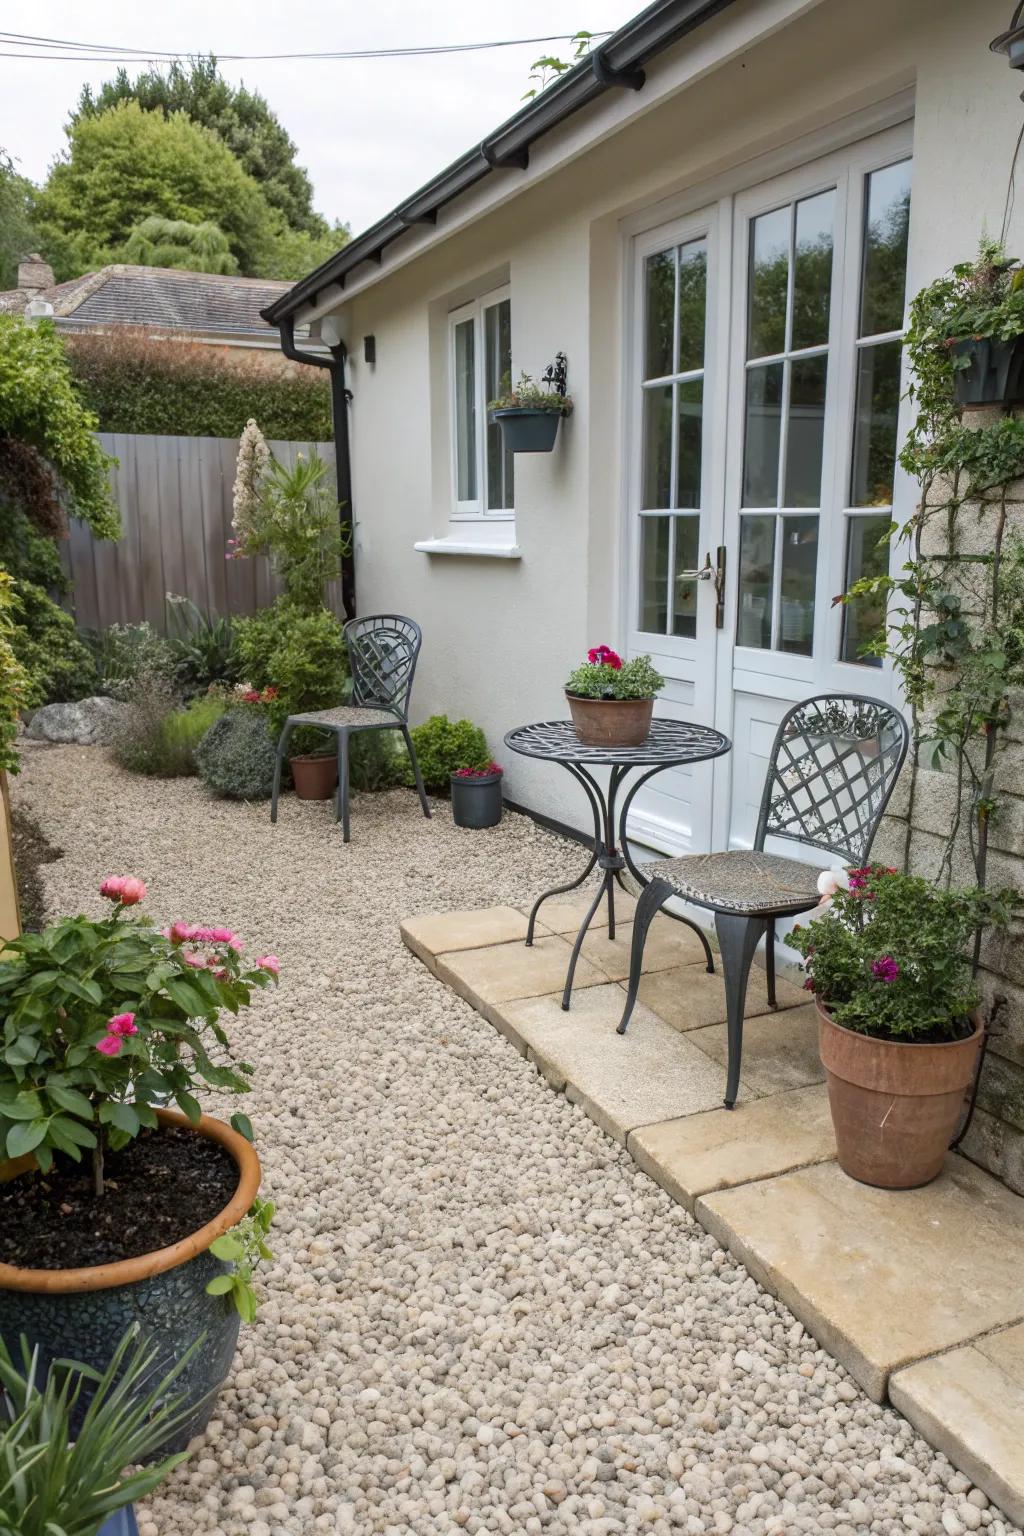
(52, 1484)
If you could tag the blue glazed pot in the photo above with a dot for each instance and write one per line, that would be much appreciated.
(83, 1314)
(121, 1524)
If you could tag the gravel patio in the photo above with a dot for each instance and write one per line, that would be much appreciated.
(481, 1316)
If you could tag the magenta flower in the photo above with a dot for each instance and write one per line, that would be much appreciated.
(123, 888)
(123, 1024)
(604, 656)
(110, 1045)
(269, 963)
(885, 969)
(193, 958)
(181, 933)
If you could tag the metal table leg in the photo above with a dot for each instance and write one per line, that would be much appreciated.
(559, 890)
(607, 857)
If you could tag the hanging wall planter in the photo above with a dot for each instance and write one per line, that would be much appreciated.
(994, 374)
(529, 415)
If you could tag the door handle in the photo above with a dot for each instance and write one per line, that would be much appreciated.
(704, 573)
(715, 573)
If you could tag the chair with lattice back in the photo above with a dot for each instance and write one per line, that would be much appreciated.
(833, 766)
(382, 652)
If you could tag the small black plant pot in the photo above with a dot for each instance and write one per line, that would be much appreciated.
(525, 430)
(995, 371)
(476, 800)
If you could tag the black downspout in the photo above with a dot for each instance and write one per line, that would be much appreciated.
(340, 396)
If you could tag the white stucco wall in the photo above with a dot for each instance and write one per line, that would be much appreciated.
(500, 635)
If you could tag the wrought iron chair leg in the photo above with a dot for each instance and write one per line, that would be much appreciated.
(416, 772)
(651, 900)
(738, 938)
(275, 793)
(769, 962)
(343, 783)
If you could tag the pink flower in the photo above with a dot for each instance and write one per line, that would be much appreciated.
(110, 1045)
(604, 656)
(123, 1024)
(123, 888)
(112, 887)
(885, 969)
(181, 933)
(808, 985)
(250, 696)
(193, 958)
(269, 963)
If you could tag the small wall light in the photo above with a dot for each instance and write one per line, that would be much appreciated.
(369, 349)
(1011, 42)
(330, 331)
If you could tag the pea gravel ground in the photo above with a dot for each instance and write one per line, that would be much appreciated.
(481, 1316)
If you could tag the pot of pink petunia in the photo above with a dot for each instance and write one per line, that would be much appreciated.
(120, 1201)
(612, 701)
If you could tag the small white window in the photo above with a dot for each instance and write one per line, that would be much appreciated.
(480, 353)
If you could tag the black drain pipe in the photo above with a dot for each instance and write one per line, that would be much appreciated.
(340, 396)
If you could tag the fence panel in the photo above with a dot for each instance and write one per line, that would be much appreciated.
(174, 494)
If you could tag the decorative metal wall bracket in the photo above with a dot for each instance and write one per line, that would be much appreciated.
(557, 374)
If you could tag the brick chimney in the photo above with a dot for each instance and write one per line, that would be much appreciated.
(34, 274)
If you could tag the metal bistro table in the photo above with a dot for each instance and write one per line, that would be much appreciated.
(671, 744)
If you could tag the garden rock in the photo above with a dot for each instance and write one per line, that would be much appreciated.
(84, 722)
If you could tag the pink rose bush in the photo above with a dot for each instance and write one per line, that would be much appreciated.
(103, 1020)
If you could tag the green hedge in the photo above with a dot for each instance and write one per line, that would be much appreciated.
(186, 389)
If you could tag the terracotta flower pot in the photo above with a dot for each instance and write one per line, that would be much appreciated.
(611, 722)
(83, 1313)
(895, 1104)
(315, 776)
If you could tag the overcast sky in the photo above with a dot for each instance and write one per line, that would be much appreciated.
(368, 131)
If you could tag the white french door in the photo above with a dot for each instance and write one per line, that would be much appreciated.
(771, 464)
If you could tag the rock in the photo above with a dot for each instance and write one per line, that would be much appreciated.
(85, 722)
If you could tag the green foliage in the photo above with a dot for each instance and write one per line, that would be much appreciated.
(298, 654)
(634, 679)
(159, 242)
(41, 407)
(243, 1247)
(529, 395)
(26, 554)
(984, 297)
(292, 516)
(235, 759)
(442, 745)
(202, 646)
(153, 736)
(548, 68)
(377, 760)
(15, 684)
(189, 390)
(103, 1019)
(59, 1477)
(888, 956)
(124, 653)
(59, 664)
(17, 236)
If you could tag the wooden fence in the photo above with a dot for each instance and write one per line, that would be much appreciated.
(175, 499)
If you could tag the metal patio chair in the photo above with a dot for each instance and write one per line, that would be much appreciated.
(382, 652)
(834, 763)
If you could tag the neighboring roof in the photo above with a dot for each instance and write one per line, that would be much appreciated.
(615, 65)
(158, 296)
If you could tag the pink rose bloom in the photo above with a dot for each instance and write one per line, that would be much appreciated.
(112, 887)
(193, 958)
(132, 891)
(123, 1024)
(221, 935)
(110, 1045)
(181, 933)
(269, 963)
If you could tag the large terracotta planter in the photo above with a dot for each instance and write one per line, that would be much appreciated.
(895, 1105)
(82, 1314)
(611, 722)
(315, 776)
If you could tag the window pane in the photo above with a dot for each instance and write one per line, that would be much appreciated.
(768, 283)
(689, 398)
(693, 284)
(796, 592)
(654, 533)
(874, 426)
(761, 436)
(498, 369)
(812, 274)
(806, 434)
(757, 570)
(465, 410)
(886, 221)
(660, 291)
(656, 490)
(864, 618)
(684, 612)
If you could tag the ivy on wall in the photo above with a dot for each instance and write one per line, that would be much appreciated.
(187, 389)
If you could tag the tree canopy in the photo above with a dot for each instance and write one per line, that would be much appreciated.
(159, 242)
(17, 236)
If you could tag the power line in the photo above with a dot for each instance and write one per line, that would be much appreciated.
(116, 53)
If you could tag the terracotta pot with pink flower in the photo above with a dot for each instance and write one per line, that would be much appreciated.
(612, 701)
(120, 1201)
(888, 958)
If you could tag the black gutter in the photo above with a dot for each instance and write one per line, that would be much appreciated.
(340, 397)
(616, 65)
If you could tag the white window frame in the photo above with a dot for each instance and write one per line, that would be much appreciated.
(476, 509)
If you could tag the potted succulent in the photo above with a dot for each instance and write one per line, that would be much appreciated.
(529, 415)
(897, 1002)
(113, 1206)
(977, 312)
(476, 796)
(612, 701)
(62, 1471)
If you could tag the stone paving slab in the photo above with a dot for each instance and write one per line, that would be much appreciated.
(780, 1050)
(669, 945)
(687, 997)
(563, 914)
(502, 972)
(722, 1148)
(438, 933)
(969, 1403)
(881, 1278)
(622, 1081)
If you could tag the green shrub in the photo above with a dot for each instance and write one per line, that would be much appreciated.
(15, 685)
(443, 745)
(123, 653)
(155, 736)
(236, 757)
(377, 760)
(301, 657)
(202, 645)
(44, 640)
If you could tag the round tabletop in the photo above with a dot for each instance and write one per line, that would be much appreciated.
(670, 743)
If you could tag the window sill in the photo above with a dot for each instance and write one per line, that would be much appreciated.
(463, 547)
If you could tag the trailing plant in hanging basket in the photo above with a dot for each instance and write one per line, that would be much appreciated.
(529, 415)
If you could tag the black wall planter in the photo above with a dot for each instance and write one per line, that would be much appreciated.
(995, 373)
(476, 800)
(526, 430)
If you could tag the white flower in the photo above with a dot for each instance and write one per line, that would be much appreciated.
(830, 881)
(250, 467)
